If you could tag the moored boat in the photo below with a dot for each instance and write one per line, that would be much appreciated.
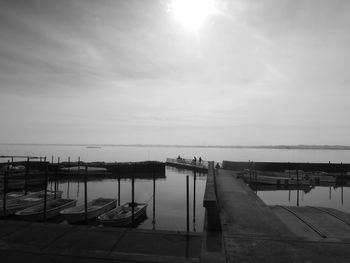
(28, 201)
(95, 208)
(122, 215)
(53, 208)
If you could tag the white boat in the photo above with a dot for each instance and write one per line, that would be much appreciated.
(95, 208)
(53, 208)
(122, 215)
(28, 201)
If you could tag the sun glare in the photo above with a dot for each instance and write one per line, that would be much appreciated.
(192, 13)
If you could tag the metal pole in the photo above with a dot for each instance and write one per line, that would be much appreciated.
(68, 177)
(194, 201)
(45, 192)
(187, 205)
(154, 201)
(85, 193)
(26, 177)
(78, 164)
(118, 179)
(132, 198)
(297, 186)
(330, 193)
(4, 193)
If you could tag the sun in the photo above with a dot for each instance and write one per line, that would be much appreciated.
(192, 13)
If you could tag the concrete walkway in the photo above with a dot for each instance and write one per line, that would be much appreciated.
(252, 232)
(40, 242)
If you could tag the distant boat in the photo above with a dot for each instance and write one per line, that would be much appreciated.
(95, 208)
(27, 201)
(122, 215)
(93, 147)
(53, 208)
(273, 180)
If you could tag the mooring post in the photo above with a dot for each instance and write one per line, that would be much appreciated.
(5, 191)
(68, 177)
(132, 197)
(289, 196)
(26, 177)
(56, 175)
(45, 192)
(297, 186)
(118, 188)
(330, 193)
(194, 201)
(250, 172)
(154, 201)
(342, 183)
(85, 192)
(78, 164)
(187, 205)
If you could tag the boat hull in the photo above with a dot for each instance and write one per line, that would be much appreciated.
(53, 208)
(95, 208)
(122, 215)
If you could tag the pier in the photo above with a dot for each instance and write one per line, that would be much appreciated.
(254, 232)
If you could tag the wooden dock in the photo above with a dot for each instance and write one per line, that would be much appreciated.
(188, 164)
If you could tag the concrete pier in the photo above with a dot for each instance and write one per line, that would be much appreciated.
(39, 242)
(253, 232)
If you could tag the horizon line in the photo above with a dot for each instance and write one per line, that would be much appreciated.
(278, 146)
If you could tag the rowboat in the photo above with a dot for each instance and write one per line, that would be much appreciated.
(122, 215)
(53, 208)
(95, 208)
(13, 196)
(28, 201)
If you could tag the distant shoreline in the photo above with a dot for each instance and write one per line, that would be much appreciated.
(284, 147)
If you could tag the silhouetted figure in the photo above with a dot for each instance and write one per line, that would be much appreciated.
(200, 160)
(217, 166)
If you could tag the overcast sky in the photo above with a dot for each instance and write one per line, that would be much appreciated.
(251, 73)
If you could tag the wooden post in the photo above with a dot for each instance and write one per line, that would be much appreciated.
(187, 206)
(330, 193)
(85, 193)
(78, 164)
(45, 192)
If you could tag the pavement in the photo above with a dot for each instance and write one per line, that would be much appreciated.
(47, 242)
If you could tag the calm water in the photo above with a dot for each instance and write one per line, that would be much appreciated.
(170, 212)
(170, 198)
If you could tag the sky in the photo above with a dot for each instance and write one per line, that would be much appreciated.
(213, 72)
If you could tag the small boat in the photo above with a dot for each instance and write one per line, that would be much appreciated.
(53, 208)
(13, 196)
(28, 201)
(122, 215)
(95, 208)
(273, 180)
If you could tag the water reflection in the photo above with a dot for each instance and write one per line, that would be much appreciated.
(165, 195)
(325, 196)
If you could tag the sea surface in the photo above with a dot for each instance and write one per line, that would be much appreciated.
(170, 192)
